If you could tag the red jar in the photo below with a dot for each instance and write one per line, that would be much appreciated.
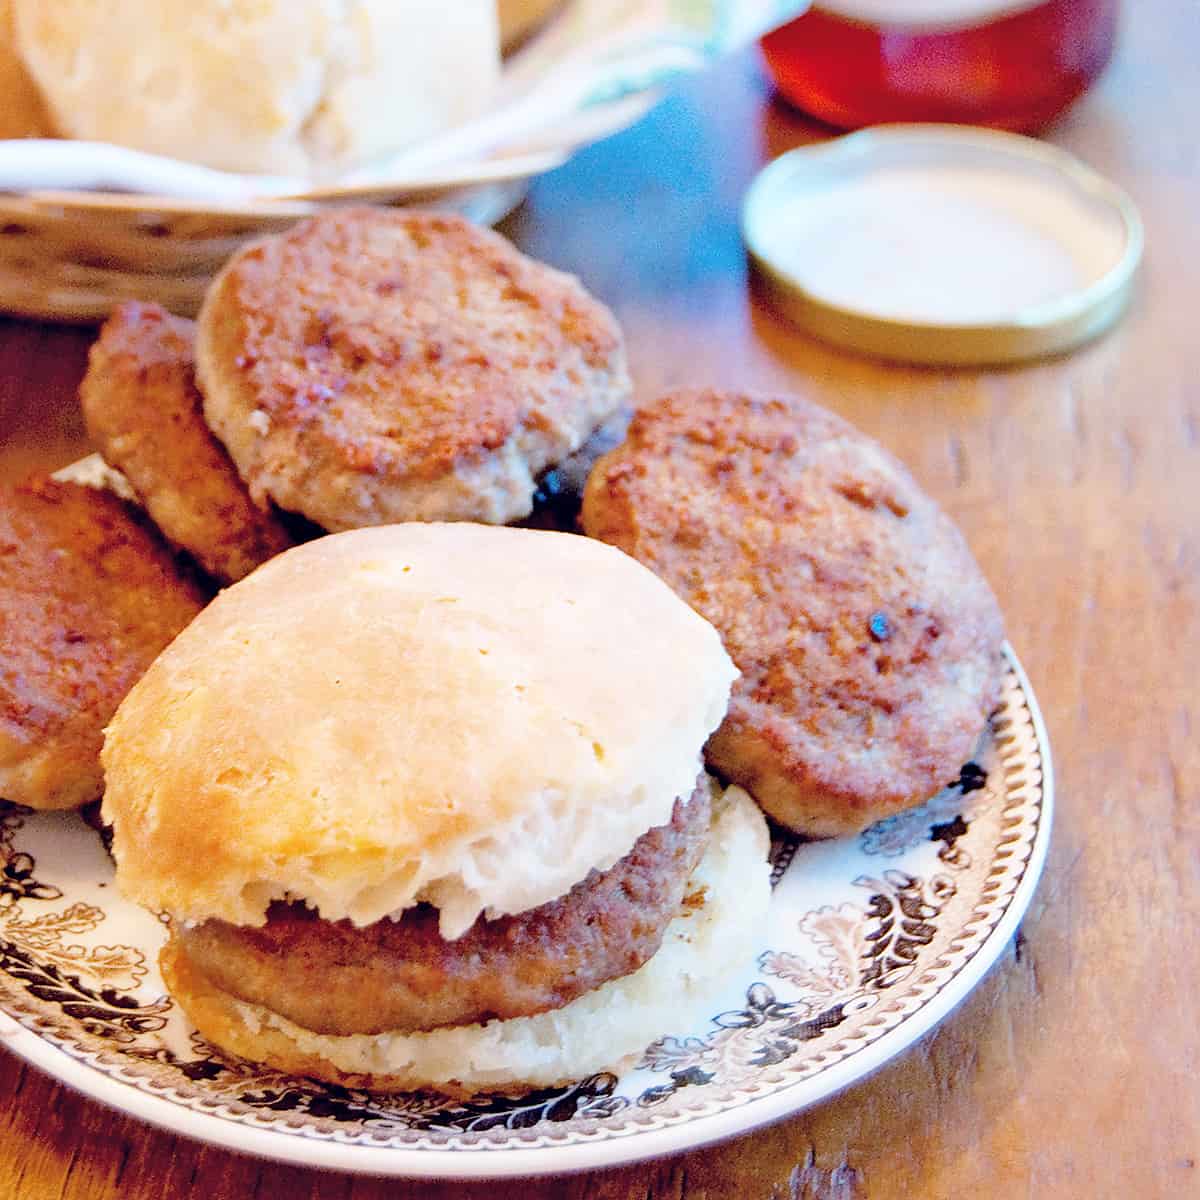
(984, 62)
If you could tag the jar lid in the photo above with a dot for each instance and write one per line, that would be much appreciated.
(943, 244)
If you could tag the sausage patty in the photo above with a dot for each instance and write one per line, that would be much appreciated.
(89, 595)
(371, 366)
(868, 639)
(145, 413)
(337, 978)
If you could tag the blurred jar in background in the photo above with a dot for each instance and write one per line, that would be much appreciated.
(1009, 65)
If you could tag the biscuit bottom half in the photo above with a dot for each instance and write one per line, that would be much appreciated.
(713, 937)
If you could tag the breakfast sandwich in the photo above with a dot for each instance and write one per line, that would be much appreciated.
(868, 640)
(426, 809)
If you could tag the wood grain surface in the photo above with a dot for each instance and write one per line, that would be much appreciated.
(1074, 1070)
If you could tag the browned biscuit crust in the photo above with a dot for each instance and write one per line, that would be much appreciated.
(520, 18)
(88, 598)
(370, 366)
(144, 411)
(868, 640)
(332, 977)
(23, 112)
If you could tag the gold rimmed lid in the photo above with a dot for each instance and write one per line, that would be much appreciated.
(943, 244)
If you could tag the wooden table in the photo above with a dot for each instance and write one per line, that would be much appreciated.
(1074, 1070)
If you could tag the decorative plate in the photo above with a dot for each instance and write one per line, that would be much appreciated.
(870, 942)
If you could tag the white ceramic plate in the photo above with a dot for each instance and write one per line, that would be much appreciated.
(870, 942)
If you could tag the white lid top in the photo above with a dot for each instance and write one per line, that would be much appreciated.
(947, 229)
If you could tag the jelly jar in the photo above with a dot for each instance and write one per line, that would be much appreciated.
(1009, 65)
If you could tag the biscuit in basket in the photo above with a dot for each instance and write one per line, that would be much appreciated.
(521, 18)
(868, 639)
(370, 366)
(22, 113)
(284, 87)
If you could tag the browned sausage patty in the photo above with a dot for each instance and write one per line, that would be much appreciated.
(371, 366)
(145, 413)
(88, 597)
(332, 977)
(868, 640)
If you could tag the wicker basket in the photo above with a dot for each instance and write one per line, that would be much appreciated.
(72, 258)
(593, 69)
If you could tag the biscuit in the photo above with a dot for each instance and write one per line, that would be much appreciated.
(868, 640)
(22, 113)
(401, 974)
(521, 18)
(705, 947)
(143, 410)
(88, 598)
(400, 714)
(371, 366)
(285, 87)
